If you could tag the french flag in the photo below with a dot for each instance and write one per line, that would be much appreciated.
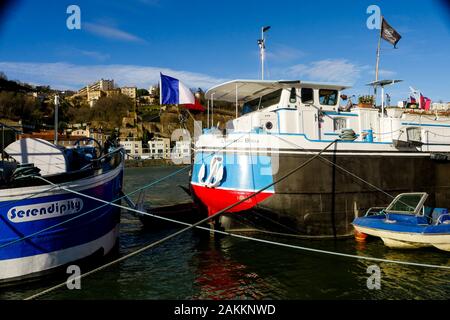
(174, 92)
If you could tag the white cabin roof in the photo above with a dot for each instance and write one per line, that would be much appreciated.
(250, 89)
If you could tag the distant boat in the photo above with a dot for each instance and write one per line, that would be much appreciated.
(407, 223)
(30, 208)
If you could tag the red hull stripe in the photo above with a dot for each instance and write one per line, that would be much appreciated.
(218, 199)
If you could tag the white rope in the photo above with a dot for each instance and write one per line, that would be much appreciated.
(340, 167)
(280, 244)
(261, 240)
(197, 225)
(383, 133)
(87, 212)
(189, 225)
(437, 134)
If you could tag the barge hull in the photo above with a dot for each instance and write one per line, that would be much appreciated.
(323, 199)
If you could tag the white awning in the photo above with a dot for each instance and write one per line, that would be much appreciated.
(251, 89)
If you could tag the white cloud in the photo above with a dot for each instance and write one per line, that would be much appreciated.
(110, 32)
(95, 55)
(329, 70)
(284, 53)
(70, 76)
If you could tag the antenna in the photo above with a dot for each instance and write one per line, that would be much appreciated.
(262, 47)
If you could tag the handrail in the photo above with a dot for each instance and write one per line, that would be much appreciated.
(374, 208)
(10, 127)
(438, 221)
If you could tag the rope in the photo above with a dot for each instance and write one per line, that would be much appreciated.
(340, 167)
(383, 133)
(347, 134)
(27, 197)
(89, 211)
(106, 203)
(437, 134)
(197, 225)
(189, 227)
(280, 244)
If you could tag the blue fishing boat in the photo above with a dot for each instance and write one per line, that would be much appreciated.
(46, 222)
(407, 223)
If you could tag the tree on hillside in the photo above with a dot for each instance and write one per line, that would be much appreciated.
(142, 92)
(18, 106)
(111, 110)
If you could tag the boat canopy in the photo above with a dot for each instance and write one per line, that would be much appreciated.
(246, 90)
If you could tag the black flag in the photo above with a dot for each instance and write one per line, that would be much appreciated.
(388, 33)
(266, 28)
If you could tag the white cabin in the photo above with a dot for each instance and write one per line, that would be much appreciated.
(313, 111)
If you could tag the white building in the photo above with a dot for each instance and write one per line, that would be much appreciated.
(181, 153)
(132, 147)
(159, 148)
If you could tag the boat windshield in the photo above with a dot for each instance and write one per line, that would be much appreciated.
(263, 102)
(407, 203)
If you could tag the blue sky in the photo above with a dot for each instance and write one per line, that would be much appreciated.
(205, 42)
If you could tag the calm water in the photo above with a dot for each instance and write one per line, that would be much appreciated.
(197, 266)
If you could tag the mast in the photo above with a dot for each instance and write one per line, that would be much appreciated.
(262, 47)
(378, 60)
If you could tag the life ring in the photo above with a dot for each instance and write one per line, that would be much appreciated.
(215, 172)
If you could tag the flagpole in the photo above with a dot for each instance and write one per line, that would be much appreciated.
(378, 59)
(262, 54)
(378, 51)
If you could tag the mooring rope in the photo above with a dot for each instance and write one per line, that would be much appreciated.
(119, 198)
(89, 211)
(7, 203)
(257, 239)
(189, 227)
(197, 225)
(340, 167)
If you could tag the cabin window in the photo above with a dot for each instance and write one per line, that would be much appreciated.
(339, 124)
(307, 95)
(328, 97)
(263, 102)
(293, 96)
